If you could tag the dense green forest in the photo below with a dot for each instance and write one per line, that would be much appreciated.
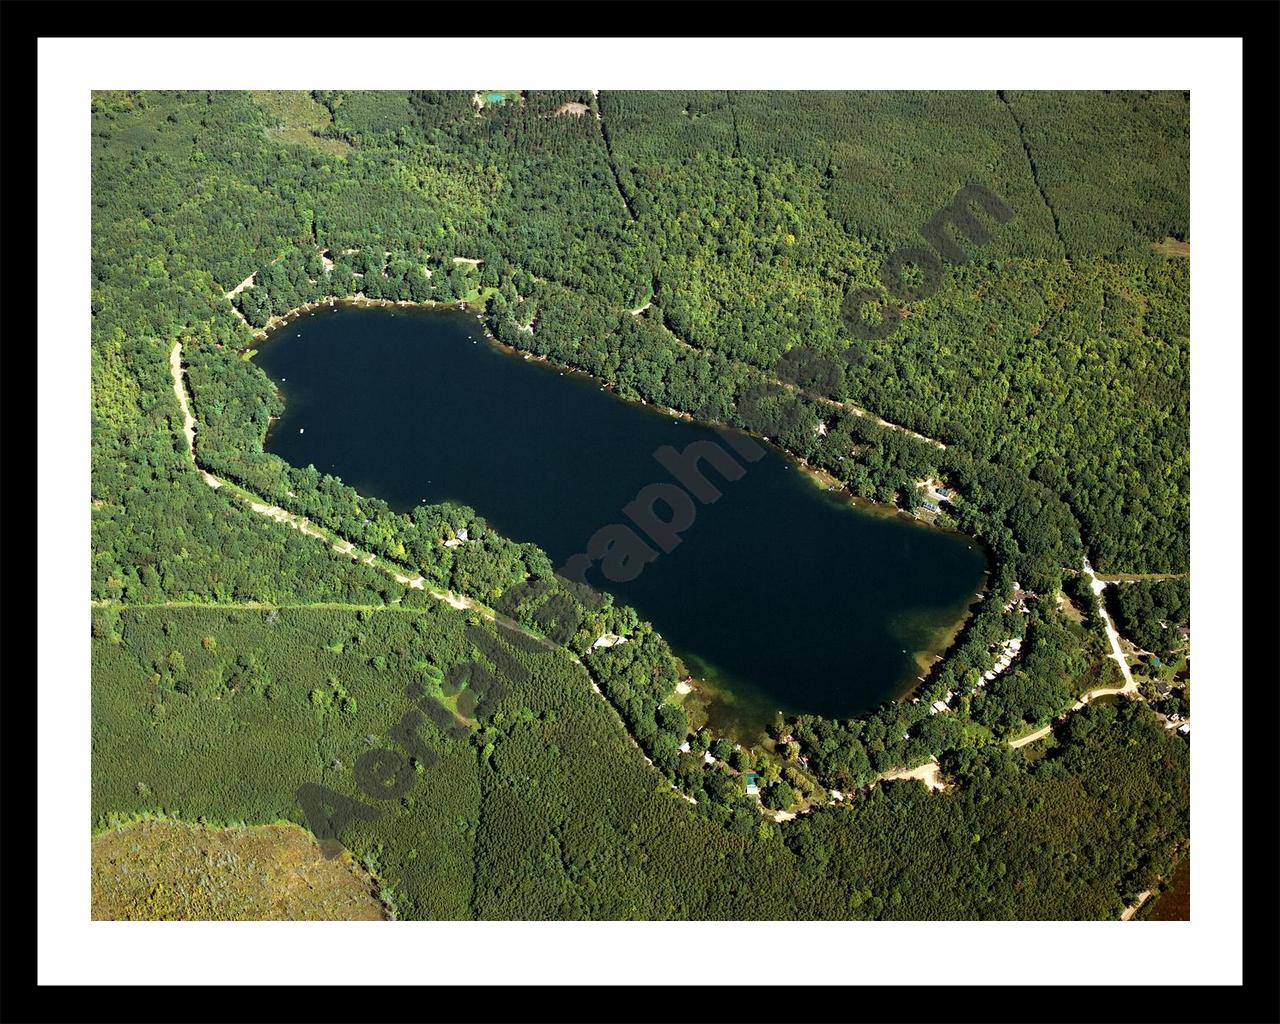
(1151, 612)
(694, 250)
(542, 808)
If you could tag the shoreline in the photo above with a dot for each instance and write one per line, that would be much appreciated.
(925, 661)
(818, 475)
(359, 300)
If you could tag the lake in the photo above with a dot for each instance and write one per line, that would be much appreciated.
(781, 595)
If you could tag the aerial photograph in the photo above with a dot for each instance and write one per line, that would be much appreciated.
(640, 505)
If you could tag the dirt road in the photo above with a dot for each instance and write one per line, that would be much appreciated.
(1113, 638)
(930, 773)
(188, 421)
(1130, 687)
(246, 283)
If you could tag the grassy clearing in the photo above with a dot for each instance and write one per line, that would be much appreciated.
(1172, 247)
(157, 870)
(298, 120)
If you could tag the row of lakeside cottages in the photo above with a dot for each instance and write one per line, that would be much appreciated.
(1008, 651)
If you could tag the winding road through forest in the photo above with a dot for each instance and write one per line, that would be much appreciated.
(346, 547)
(300, 523)
(1113, 637)
(1130, 688)
(927, 773)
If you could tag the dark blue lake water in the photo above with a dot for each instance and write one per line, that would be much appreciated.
(784, 596)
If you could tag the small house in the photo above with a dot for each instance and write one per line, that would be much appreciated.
(753, 783)
(938, 707)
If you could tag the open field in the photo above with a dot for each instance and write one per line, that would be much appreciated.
(157, 870)
(298, 119)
